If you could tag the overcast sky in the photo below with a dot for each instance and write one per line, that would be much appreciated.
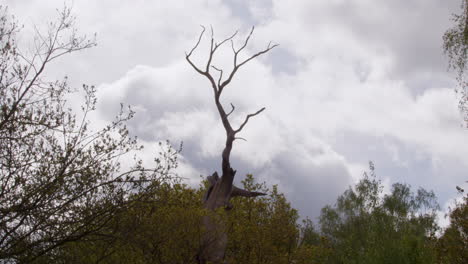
(352, 81)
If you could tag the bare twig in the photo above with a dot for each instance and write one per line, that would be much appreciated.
(232, 110)
(226, 39)
(246, 40)
(198, 42)
(247, 119)
(220, 74)
(236, 52)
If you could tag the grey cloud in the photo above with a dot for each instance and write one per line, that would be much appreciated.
(129, 33)
(410, 30)
(327, 87)
(407, 35)
(403, 162)
(251, 12)
(283, 61)
(308, 186)
(163, 113)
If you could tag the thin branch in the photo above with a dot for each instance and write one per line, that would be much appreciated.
(226, 39)
(232, 110)
(220, 74)
(198, 42)
(193, 65)
(236, 52)
(246, 40)
(213, 47)
(206, 72)
(241, 138)
(258, 54)
(233, 50)
(247, 119)
(211, 53)
(237, 66)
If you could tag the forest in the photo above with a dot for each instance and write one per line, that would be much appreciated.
(67, 197)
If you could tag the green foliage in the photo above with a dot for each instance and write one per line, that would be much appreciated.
(366, 226)
(456, 40)
(262, 230)
(168, 230)
(453, 244)
(163, 229)
(313, 247)
(266, 230)
(456, 46)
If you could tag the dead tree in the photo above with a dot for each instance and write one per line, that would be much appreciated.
(221, 189)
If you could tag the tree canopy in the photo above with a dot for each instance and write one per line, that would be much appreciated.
(367, 226)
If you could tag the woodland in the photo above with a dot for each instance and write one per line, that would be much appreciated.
(66, 198)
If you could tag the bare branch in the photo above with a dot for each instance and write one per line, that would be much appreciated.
(236, 191)
(247, 119)
(206, 72)
(198, 42)
(233, 50)
(236, 52)
(214, 46)
(187, 55)
(232, 110)
(211, 53)
(241, 138)
(226, 39)
(220, 74)
(246, 40)
(258, 54)
(237, 66)
(193, 65)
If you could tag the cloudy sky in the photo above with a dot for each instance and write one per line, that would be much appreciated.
(352, 81)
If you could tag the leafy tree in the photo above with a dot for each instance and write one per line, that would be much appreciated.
(60, 181)
(310, 236)
(368, 227)
(455, 46)
(167, 230)
(453, 244)
(262, 230)
(265, 230)
(164, 229)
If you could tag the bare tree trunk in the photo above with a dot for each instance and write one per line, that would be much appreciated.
(221, 189)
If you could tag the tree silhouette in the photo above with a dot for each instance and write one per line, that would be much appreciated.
(221, 189)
